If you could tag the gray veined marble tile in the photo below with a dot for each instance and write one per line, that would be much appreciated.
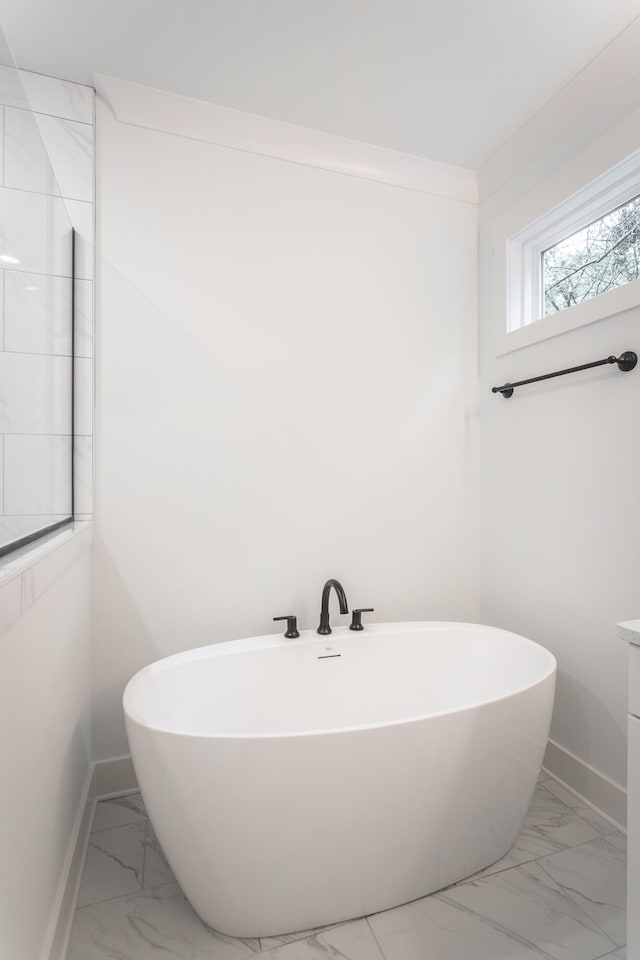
(80, 213)
(267, 943)
(114, 864)
(37, 316)
(83, 474)
(10, 596)
(602, 826)
(69, 149)
(35, 231)
(155, 924)
(350, 941)
(594, 875)
(552, 822)
(548, 827)
(2, 275)
(84, 318)
(435, 928)
(83, 397)
(526, 902)
(12, 528)
(35, 394)
(117, 812)
(58, 98)
(156, 869)
(563, 793)
(48, 567)
(38, 475)
(26, 161)
(11, 89)
(599, 824)
(517, 914)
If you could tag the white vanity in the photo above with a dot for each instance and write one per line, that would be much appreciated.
(630, 631)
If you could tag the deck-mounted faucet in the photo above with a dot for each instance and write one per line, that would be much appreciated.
(324, 627)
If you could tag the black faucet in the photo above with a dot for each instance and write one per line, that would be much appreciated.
(324, 627)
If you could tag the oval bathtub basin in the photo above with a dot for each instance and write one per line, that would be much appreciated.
(298, 783)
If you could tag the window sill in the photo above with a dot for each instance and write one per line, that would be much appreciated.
(27, 573)
(609, 304)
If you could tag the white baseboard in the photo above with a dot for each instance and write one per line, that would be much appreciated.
(115, 777)
(56, 940)
(598, 791)
(107, 778)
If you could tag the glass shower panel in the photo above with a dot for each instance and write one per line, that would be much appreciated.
(36, 335)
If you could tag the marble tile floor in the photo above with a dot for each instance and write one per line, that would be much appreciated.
(559, 894)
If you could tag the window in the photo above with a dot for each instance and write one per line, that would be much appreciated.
(600, 257)
(579, 262)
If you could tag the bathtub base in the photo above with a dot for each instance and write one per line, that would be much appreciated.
(301, 918)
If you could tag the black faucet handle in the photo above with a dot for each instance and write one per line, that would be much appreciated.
(292, 626)
(356, 617)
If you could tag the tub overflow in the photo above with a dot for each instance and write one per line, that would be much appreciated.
(328, 656)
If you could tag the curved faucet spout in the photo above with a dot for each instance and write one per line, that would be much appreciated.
(324, 627)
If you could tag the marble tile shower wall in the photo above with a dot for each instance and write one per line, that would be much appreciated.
(46, 182)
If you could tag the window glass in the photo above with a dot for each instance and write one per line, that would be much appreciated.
(599, 257)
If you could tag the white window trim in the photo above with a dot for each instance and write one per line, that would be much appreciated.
(523, 324)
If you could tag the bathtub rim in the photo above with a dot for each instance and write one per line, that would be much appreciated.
(269, 641)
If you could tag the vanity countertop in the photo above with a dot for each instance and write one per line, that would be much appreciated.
(629, 630)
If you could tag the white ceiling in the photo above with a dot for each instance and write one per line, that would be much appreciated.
(450, 80)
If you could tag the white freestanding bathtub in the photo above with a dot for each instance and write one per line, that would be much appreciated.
(297, 783)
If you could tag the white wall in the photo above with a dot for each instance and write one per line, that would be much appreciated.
(286, 392)
(560, 462)
(45, 750)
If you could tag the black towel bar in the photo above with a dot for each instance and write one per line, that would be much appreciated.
(626, 361)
